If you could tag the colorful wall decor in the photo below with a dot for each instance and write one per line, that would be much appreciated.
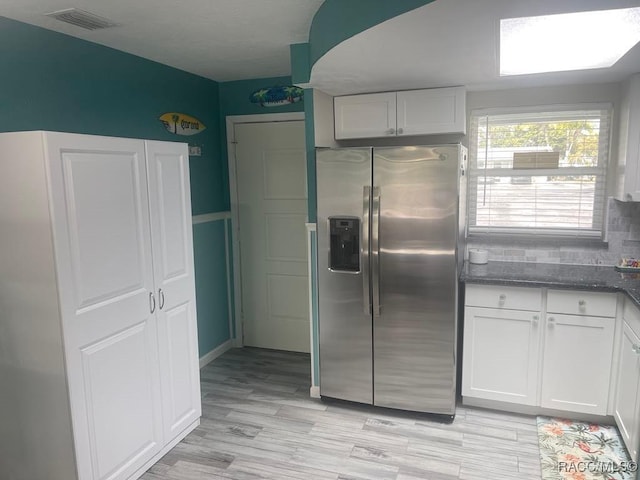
(181, 124)
(277, 95)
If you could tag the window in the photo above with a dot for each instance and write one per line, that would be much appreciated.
(539, 172)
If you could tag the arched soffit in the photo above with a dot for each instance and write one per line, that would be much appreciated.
(337, 20)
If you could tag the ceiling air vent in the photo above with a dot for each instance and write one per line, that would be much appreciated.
(82, 19)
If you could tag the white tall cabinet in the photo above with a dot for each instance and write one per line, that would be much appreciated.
(627, 399)
(98, 342)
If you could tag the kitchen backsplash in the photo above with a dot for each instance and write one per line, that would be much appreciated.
(623, 241)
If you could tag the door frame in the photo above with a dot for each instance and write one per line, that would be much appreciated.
(231, 122)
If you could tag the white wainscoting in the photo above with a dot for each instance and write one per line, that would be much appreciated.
(226, 218)
(311, 236)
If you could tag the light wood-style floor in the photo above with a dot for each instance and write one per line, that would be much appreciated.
(259, 422)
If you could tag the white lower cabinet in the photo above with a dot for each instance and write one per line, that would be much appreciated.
(578, 350)
(501, 355)
(104, 311)
(528, 355)
(627, 398)
(577, 363)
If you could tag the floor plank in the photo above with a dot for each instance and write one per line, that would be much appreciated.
(258, 422)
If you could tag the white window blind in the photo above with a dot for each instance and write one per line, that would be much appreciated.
(539, 172)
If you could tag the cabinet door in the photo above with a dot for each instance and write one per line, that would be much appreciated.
(170, 207)
(627, 400)
(577, 363)
(104, 265)
(629, 149)
(500, 355)
(436, 110)
(365, 116)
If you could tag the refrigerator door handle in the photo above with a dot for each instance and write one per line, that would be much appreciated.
(364, 249)
(375, 250)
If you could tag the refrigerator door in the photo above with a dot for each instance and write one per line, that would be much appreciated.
(344, 297)
(414, 272)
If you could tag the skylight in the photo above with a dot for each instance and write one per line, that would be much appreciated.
(568, 41)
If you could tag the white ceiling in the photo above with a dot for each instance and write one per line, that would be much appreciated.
(217, 39)
(452, 42)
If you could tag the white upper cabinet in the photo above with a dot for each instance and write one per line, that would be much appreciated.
(406, 113)
(365, 116)
(437, 110)
(628, 173)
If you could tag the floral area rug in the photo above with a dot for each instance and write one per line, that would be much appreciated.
(582, 451)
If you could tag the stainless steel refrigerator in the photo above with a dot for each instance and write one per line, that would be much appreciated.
(390, 229)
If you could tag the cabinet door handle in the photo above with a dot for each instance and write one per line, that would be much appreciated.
(551, 321)
(636, 349)
(400, 131)
(582, 303)
(502, 298)
(152, 302)
(160, 298)
(535, 319)
(391, 131)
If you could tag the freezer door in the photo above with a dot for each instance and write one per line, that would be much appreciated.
(344, 298)
(414, 234)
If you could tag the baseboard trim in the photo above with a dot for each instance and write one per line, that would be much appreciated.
(314, 392)
(207, 358)
(535, 410)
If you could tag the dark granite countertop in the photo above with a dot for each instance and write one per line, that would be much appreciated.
(580, 277)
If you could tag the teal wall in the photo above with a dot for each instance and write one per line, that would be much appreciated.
(211, 274)
(234, 100)
(51, 81)
(310, 139)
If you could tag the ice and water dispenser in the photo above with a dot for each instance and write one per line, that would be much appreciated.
(344, 244)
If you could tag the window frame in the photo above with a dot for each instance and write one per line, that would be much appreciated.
(598, 229)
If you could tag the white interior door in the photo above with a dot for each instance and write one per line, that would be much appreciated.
(103, 249)
(272, 210)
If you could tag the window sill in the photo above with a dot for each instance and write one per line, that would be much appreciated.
(532, 240)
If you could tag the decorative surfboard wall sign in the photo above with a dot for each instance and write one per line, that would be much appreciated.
(277, 95)
(181, 124)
